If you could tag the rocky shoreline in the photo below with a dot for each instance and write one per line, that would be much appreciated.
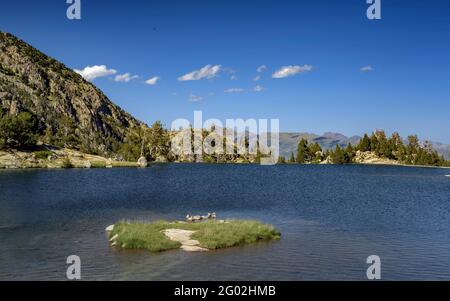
(53, 158)
(56, 158)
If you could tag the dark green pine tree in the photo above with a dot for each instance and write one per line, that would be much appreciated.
(364, 144)
(383, 149)
(412, 149)
(337, 155)
(302, 151)
(348, 154)
(397, 147)
(374, 143)
(316, 152)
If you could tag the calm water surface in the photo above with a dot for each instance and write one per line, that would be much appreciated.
(331, 217)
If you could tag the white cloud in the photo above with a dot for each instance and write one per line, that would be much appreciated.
(234, 90)
(257, 78)
(261, 68)
(286, 71)
(194, 98)
(258, 88)
(366, 68)
(126, 77)
(92, 72)
(233, 77)
(152, 81)
(207, 72)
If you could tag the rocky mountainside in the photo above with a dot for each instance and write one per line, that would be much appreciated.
(442, 149)
(30, 81)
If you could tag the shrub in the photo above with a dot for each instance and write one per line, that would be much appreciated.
(42, 155)
(98, 164)
(66, 163)
(18, 131)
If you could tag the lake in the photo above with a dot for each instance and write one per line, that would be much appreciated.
(331, 219)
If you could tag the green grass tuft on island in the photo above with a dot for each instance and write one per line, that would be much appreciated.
(210, 235)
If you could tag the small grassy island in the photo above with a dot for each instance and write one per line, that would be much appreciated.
(202, 236)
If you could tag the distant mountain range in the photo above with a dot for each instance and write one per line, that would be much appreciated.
(289, 142)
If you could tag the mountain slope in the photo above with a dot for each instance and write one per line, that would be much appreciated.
(32, 82)
(289, 141)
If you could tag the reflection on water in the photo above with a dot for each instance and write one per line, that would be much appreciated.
(331, 217)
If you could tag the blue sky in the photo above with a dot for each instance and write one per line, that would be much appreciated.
(326, 43)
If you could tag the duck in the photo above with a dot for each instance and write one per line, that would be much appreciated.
(194, 218)
(211, 215)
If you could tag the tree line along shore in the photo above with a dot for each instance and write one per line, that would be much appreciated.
(25, 141)
(376, 149)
